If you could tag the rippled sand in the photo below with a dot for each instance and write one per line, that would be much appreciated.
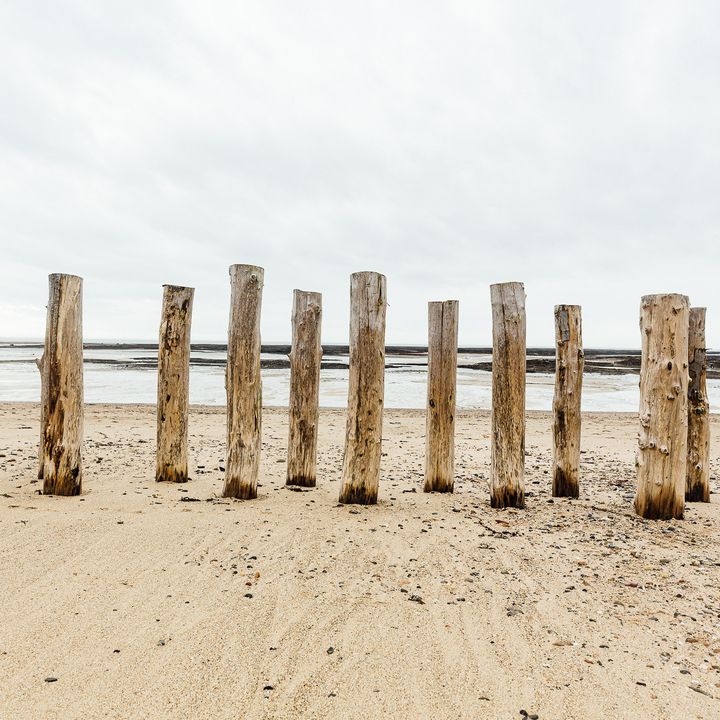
(147, 601)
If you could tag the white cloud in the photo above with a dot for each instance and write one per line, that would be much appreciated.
(571, 145)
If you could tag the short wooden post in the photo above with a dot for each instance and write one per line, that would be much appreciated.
(173, 399)
(61, 376)
(363, 436)
(507, 482)
(662, 441)
(697, 486)
(243, 384)
(304, 405)
(442, 381)
(569, 361)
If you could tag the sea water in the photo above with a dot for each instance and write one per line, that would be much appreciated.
(128, 376)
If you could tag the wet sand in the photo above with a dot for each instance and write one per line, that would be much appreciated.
(148, 600)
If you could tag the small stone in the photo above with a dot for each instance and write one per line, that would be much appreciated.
(330, 650)
(50, 679)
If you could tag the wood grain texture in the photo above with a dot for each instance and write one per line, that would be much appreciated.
(363, 435)
(507, 480)
(569, 362)
(441, 396)
(697, 485)
(173, 397)
(304, 403)
(243, 384)
(61, 377)
(662, 441)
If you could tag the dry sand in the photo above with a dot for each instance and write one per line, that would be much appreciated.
(149, 601)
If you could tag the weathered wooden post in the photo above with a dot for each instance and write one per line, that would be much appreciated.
(242, 382)
(61, 378)
(569, 362)
(507, 482)
(662, 441)
(697, 486)
(442, 381)
(363, 436)
(173, 399)
(304, 405)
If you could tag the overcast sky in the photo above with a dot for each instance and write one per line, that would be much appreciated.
(574, 146)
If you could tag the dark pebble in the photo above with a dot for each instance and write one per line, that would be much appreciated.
(50, 679)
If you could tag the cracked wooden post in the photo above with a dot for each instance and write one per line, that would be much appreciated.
(507, 482)
(61, 377)
(173, 398)
(363, 435)
(304, 405)
(242, 383)
(569, 361)
(442, 381)
(697, 485)
(662, 441)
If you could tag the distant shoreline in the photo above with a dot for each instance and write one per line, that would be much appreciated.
(540, 360)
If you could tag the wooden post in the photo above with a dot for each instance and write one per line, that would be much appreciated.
(242, 382)
(61, 377)
(304, 405)
(507, 483)
(173, 384)
(697, 486)
(442, 381)
(363, 436)
(662, 441)
(569, 361)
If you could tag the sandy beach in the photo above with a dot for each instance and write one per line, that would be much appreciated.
(157, 601)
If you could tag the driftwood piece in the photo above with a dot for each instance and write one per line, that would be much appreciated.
(569, 362)
(243, 384)
(61, 378)
(662, 441)
(442, 381)
(507, 482)
(697, 485)
(363, 436)
(304, 404)
(173, 399)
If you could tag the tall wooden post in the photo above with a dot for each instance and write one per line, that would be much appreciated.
(304, 405)
(569, 361)
(242, 382)
(173, 398)
(507, 482)
(697, 486)
(61, 377)
(442, 382)
(662, 441)
(363, 436)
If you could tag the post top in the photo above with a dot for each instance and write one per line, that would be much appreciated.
(669, 297)
(443, 302)
(57, 276)
(565, 306)
(240, 267)
(360, 273)
(307, 293)
(510, 283)
(178, 288)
